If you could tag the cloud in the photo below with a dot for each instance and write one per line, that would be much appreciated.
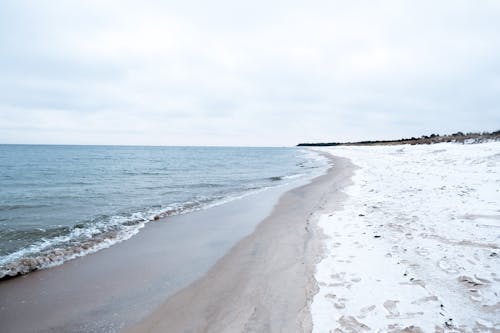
(259, 73)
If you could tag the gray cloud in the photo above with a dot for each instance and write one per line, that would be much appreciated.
(257, 73)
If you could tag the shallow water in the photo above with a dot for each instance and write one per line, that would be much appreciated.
(61, 202)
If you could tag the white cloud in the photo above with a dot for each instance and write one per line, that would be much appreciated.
(259, 73)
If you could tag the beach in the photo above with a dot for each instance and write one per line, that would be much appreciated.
(415, 247)
(389, 239)
(119, 286)
(266, 282)
(249, 166)
(395, 239)
(115, 287)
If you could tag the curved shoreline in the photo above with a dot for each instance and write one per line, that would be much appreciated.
(113, 192)
(118, 286)
(266, 282)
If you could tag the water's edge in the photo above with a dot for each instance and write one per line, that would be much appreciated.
(66, 243)
(113, 288)
(266, 281)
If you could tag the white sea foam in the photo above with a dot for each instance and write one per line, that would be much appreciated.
(94, 236)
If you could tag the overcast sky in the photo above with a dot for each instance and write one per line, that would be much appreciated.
(246, 72)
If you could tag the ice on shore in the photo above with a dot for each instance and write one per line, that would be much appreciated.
(416, 247)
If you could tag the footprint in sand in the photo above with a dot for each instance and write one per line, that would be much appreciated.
(391, 307)
(339, 306)
(350, 324)
(485, 325)
(422, 251)
(473, 285)
(426, 300)
(413, 282)
(447, 266)
(410, 315)
(475, 295)
(368, 308)
(364, 311)
(473, 282)
(408, 329)
(337, 280)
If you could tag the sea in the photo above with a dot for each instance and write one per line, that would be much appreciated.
(60, 202)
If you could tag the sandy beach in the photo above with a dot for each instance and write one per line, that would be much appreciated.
(129, 283)
(250, 166)
(266, 283)
(409, 243)
(389, 239)
(118, 286)
(416, 245)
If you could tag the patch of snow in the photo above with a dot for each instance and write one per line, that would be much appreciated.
(416, 247)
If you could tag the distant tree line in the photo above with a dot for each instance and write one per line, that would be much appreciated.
(424, 139)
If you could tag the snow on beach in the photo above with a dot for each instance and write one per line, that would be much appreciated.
(416, 247)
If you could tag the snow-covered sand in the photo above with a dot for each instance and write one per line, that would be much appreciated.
(416, 247)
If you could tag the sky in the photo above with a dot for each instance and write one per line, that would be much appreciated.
(246, 73)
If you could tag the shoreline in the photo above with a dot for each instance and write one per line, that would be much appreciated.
(266, 282)
(116, 287)
(89, 205)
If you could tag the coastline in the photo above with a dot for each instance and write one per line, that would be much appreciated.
(388, 239)
(105, 195)
(118, 286)
(266, 282)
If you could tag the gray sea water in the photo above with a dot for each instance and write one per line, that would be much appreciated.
(62, 202)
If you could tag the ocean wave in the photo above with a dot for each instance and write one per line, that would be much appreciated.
(295, 176)
(57, 255)
(60, 244)
(38, 248)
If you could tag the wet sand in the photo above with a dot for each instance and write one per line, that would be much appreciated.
(118, 286)
(266, 282)
(164, 278)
